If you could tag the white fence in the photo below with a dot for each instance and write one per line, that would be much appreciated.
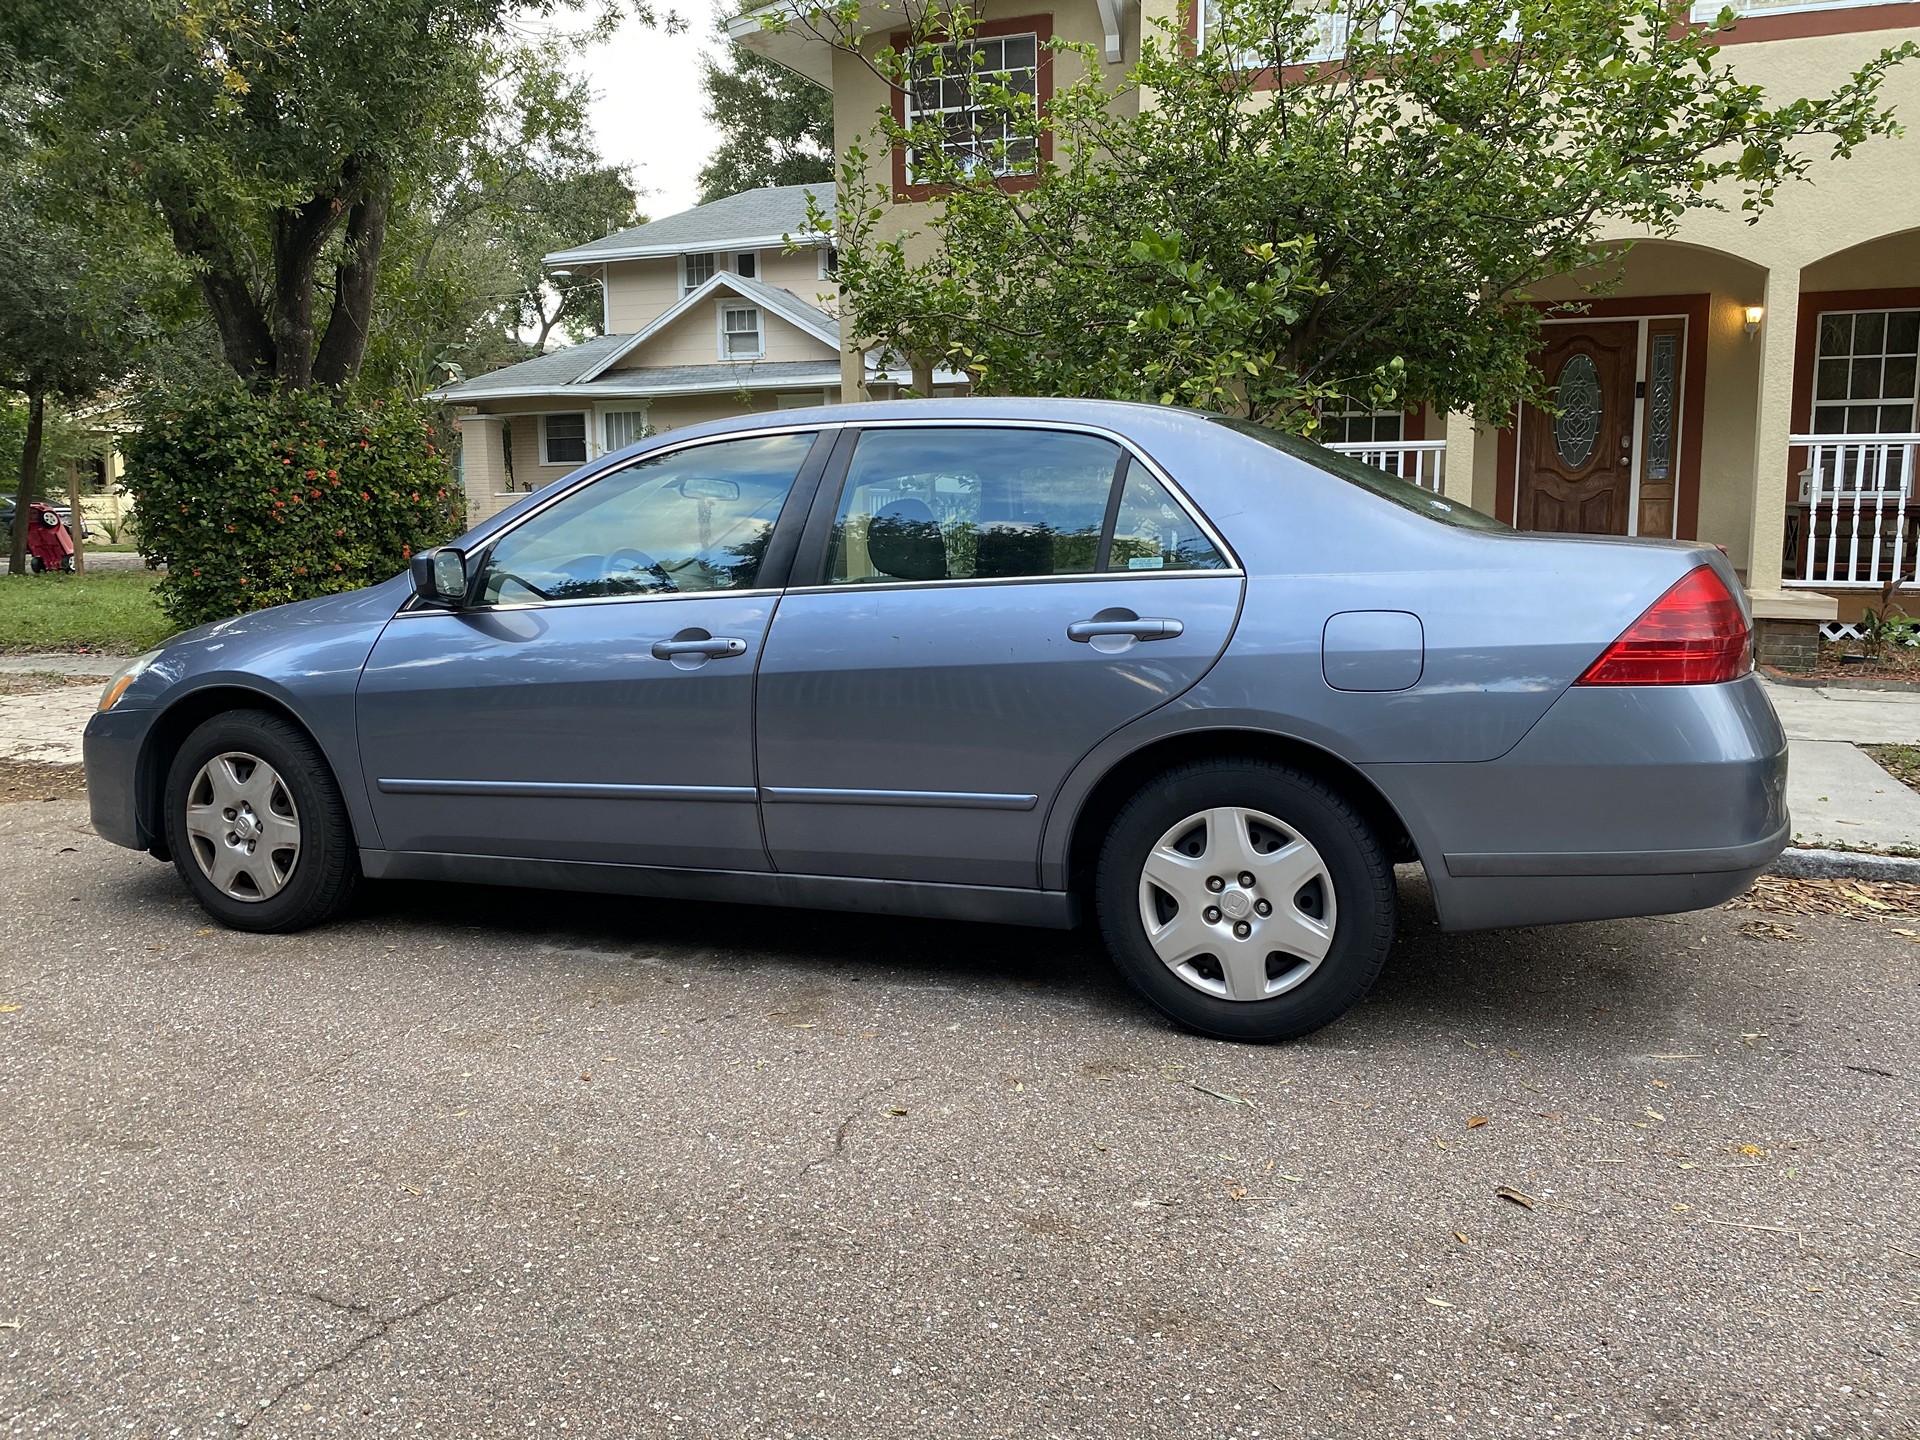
(1423, 462)
(1856, 524)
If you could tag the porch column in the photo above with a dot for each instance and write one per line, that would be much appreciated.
(1456, 480)
(483, 465)
(1773, 423)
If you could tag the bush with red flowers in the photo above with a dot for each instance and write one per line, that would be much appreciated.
(254, 500)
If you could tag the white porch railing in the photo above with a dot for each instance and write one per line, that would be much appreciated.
(1424, 462)
(1856, 522)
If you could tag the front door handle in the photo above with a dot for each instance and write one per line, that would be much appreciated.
(1088, 630)
(698, 646)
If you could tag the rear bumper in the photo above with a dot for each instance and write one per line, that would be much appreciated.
(1620, 801)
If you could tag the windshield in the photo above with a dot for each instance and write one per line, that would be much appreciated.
(1379, 482)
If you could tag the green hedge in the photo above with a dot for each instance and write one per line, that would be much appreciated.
(255, 500)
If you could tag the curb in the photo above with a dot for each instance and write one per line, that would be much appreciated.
(1811, 864)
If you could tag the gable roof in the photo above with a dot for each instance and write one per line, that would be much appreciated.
(566, 366)
(751, 220)
(784, 303)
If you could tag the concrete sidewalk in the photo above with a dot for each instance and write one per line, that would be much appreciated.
(1838, 795)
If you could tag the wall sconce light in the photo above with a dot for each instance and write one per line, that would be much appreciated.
(1755, 314)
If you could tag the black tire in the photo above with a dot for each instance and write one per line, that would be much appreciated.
(1363, 894)
(35, 564)
(322, 876)
(67, 565)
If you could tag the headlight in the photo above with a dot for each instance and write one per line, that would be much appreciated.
(126, 675)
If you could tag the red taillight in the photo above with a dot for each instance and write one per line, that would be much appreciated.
(1692, 635)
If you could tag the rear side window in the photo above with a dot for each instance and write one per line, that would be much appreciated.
(1378, 482)
(966, 503)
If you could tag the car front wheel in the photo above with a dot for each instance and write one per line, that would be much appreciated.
(1245, 900)
(256, 824)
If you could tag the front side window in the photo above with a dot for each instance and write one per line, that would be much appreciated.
(740, 337)
(946, 96)
(695, 271)
(563, 438)
(692, 520)
(972, 503)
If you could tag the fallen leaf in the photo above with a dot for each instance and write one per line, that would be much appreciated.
(1751, 1150)
(1474, 1122)
(1661, 1083)
(1461, 1238)
(1656, 1114)
(896, 1110)
(1236, 1192)
(586, 1075)
(1435, 1300)
(9, 1008)
(1507, 1192)
(1219, 1095)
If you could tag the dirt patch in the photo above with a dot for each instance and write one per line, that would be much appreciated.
(1900, 761)
(1853, 899)
(1897, 664)
(30, 780)
(34, 682)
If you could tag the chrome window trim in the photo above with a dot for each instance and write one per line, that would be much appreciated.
(1233, 568)
(1077, 427)
(427, 608)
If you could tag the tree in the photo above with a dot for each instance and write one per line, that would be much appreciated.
(274, 141)
(1241, 225)
(63, 316)
(776, 126)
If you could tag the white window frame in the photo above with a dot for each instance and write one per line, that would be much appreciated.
(607, 409)
(720, 313)
(687, 284)
(746, 264)
(1705, 11)
(915, 116)
(828, 260)
(586, 437)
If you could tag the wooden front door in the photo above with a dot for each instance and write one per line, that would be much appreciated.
(1576, 467)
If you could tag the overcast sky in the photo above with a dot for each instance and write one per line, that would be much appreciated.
(648, 103)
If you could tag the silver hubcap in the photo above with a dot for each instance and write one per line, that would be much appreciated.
(1237, 904)
(243, 826)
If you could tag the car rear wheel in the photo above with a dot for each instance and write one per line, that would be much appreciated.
(256, 824)
(1245, 900)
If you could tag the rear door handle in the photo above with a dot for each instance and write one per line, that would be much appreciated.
(710, 647)
(1086, 630)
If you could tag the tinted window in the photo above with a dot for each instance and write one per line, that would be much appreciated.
(693, 520)
(1152, 532)
(1387, 487)
(971, 503)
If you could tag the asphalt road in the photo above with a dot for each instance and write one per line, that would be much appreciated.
(487, 1163)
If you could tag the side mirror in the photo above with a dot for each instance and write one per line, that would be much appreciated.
(440, 575)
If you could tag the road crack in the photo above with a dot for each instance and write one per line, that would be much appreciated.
(379, 1330)
(845, 1128)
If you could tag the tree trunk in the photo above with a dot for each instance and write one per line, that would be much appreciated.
(28, 489)
(923, 378)
(245, 340)
(345, 343)
(299, 235)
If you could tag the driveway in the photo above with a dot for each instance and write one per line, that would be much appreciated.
(488, 1163)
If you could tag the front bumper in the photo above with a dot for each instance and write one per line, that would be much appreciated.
(1620, 801)
(111, 747)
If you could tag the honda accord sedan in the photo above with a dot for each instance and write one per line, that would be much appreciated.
(1031, 661)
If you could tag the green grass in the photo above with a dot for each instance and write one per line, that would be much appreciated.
(113, 612)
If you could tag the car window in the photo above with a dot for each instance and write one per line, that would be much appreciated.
(691, 520)
(1388, 487)
(964, 503)
(1151, 531)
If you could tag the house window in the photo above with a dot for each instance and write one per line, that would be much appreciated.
(747, 264)
(695, 271)
(1864, 381)
(1706, 11)
(941, 98)
(1351, 421)
(740, 337)
(622, 428)
(801, 400)
(1325, 38)
(563, 439)
(829, 261)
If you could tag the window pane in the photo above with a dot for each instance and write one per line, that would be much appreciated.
(694, 520)
(1869, 332)
(566, 439)
(1832, 382)
(623, 427)
(939, 504)
(1151, 532)
(1866, 379)
(1903, 332)
(1836, 334)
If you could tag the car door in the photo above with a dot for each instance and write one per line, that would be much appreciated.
(593, 699)
(973, 609)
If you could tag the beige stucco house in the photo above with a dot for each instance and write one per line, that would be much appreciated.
(1707, 392)
(719, 310)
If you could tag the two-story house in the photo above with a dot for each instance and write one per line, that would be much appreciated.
(715, 311)
(1749, 385)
